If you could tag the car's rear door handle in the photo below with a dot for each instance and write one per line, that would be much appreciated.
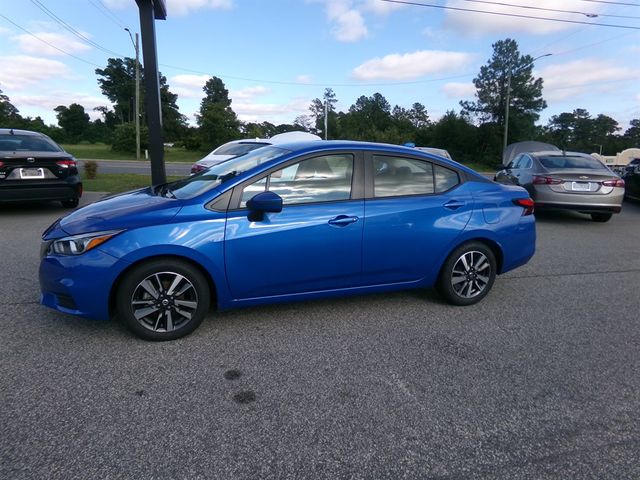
(454, 204)
(343, 220)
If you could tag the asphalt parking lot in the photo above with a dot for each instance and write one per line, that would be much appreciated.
(540, 380)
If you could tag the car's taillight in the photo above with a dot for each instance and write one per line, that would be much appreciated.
(1, 164)
(68, 163)
(613, 183)
(195, 168)
(540, 180)
(525, 203)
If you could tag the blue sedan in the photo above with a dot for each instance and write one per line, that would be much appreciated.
(289, 222)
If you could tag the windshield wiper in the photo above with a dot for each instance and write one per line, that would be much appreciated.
(228, 176)
(163, 190)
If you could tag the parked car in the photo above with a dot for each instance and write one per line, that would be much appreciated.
(236, 148)
(34, 167)
(632, 180)
(289, 222)
(566, 180)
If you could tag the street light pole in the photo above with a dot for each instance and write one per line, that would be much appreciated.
(506, 106)
(136, 45)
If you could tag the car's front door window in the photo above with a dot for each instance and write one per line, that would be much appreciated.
(320, 179)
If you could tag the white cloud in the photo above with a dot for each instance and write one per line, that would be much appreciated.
(26, 71)
(348, 23)
(249, 93)
(271, 112)
(304, 79)
(409, 66)
(566, 80)
(482, 23)
(30, 44)
(459, 90)
(43, 104)
(179, 7)
(381, 8)
(5, 31)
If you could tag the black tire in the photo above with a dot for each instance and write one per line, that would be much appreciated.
(601, 217)
(73, 203)
(175, 294)
(468, 274)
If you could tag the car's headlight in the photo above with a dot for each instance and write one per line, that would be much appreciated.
(79, 244)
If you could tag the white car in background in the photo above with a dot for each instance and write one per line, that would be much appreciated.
(237, 148)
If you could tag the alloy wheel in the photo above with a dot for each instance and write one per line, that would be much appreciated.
(471, 274)
(164, 301)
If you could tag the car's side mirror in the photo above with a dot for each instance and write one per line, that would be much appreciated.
(263, 203)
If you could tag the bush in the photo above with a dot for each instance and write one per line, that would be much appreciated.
(124, 138)
(90, 169)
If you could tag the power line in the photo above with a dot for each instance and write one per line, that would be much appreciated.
(613, 3)
(514, 15)
(102, 8)
(48, 43)
(530, 7)
(69, 28)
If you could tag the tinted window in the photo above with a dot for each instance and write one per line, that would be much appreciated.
(222, 172)
(396, 176)
(446, 178)
(318, 179)
(526, 162)
(30, 143)
(570, 162)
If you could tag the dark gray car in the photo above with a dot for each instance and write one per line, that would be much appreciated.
(566, 180)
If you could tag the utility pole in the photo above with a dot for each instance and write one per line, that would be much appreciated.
(136, 45)
(151, 10)
(326, 118)
(506, 106)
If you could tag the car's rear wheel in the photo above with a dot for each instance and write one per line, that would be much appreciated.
(468, 274)
(73, 203)
(601, 217)
(163, 299)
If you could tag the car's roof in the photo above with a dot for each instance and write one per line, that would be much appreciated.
(329, 145)
(15, 131)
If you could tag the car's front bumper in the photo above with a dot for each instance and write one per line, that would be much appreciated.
(79, 285)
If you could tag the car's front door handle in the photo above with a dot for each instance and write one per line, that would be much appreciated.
(454, 204)
(343, 220)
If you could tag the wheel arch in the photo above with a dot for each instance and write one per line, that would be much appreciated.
(492, 244)
(116, 284)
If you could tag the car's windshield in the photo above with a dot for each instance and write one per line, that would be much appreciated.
(237, 149)
(26, 143)
(564, 162)
(218, 174)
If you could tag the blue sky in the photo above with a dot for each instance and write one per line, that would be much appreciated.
(276, 56)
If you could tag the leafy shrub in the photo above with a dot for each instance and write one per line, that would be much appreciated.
(90, 169)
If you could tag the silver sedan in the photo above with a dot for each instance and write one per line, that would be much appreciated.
(566, 180)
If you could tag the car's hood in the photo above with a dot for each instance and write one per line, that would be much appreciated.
(128, 210)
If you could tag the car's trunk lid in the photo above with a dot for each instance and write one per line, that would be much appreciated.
(36, 166)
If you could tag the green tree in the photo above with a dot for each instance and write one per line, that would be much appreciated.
(632, 134)
(216, 120)
(317, 109)
(368, 119)
(507, 66)
(9, 114)
(458, 136)
(74, 122)
(118, 83)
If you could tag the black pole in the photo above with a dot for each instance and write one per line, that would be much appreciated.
(149, 11)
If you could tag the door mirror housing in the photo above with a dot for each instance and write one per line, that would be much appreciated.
(265, 202)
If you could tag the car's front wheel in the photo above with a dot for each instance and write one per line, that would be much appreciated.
(468, 274)
(163, 299)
